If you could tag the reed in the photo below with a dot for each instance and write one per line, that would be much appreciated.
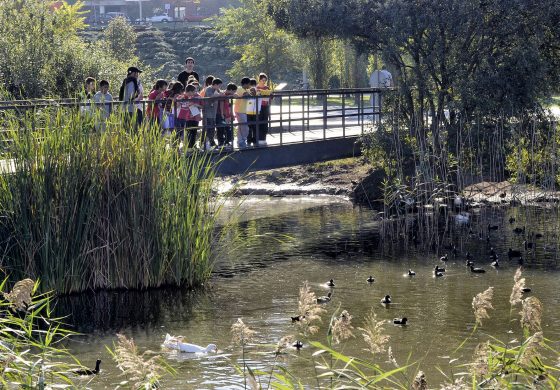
(86, 209)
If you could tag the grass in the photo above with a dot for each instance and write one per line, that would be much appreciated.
(87, 210)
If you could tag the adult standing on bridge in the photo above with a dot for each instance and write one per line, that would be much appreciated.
(264, 113)
(129, 92)
(379, 79)
(189, 71)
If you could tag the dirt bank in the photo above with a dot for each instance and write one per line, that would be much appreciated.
(347, 177)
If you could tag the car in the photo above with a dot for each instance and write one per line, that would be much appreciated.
(164, 18)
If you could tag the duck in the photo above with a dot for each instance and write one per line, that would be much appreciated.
(325, 299)
(386, 300)
(297, 345)
(494, 257)
(513, 253)
(469, 262)
(511, 220)
(495, 263)
(526, 290)
(438, 274)
(400, 321)
(538, 235)
(370, 279)
(468, 256)
(477, 270)
(330, 283)
(519, 230)
(520, 261)
(439, 269)
(444, 258)
(529, 245)
(175, 342)
(87, 371)
(297, 318)
(411, 273)
(503, 195)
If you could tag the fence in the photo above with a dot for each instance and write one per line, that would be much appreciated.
(297, 116)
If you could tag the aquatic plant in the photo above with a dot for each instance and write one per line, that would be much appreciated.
(481, 303)
(309, 311)
(516, 296)
(85, 209)
(143, 370)
(374, 335)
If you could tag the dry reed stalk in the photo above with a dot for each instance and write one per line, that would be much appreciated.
(481, 303)
(459, 384)
(20, 296)
(241, 333)
(342, 327)
(391, 357)
(420, 382)
(374, 335)
(516, 296)
(308, 310)
(531, 314)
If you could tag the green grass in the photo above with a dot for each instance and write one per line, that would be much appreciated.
(87, 210)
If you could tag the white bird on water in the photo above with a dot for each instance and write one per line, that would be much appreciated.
(176, 342)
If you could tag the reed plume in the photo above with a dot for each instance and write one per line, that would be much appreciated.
(308, 310)
(529, 350)
(531, 314)
(241, 333)
(283, 343)
(516, 296)
(480, 359)
(391, 357)
(144, 371)
(342, 327)
(20, 296)
(420, 382)
(374, 335)
(481, 303)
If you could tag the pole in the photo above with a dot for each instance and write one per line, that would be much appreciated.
(140, 8)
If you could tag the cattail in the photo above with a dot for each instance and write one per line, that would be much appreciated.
(20, 296)
(342, 327)
(480, 359)
(138, 367)
(283, 343)
(309, 311)
(531, 314)
(373, 334)
(241, 333)
(529, 349)
(481, 303)
(517, 290)
(419, 382)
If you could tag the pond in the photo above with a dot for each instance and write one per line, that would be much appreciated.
(316, 239)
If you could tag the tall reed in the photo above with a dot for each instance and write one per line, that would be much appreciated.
(87, 209)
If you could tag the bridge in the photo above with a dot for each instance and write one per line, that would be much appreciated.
(305, 126)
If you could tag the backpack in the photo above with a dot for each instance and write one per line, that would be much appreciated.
(123, 87)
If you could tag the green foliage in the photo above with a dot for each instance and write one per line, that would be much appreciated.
(31, 340)
(41, 54)
(120, 39)
(87, 210)
(252, 34)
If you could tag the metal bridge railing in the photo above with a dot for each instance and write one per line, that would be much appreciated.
(296, 116)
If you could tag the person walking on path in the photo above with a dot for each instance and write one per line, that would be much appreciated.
(189, 71)
(264, 113)
(240, 109)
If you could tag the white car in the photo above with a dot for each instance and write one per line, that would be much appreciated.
(160, 18)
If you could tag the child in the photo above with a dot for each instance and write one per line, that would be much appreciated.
(87, 94)
(168, 118)
(264, 113)
(153, 112)
(209, 112)
(224, 118)
(240, 109)
(190, 113)
(104, 102)
(252, 112)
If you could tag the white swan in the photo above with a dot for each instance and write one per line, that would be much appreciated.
(175, 342)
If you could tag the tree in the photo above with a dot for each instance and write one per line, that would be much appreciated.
(42, 54)
(251, 33)
(120, 39)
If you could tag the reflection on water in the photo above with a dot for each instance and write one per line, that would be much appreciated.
(260, 284)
